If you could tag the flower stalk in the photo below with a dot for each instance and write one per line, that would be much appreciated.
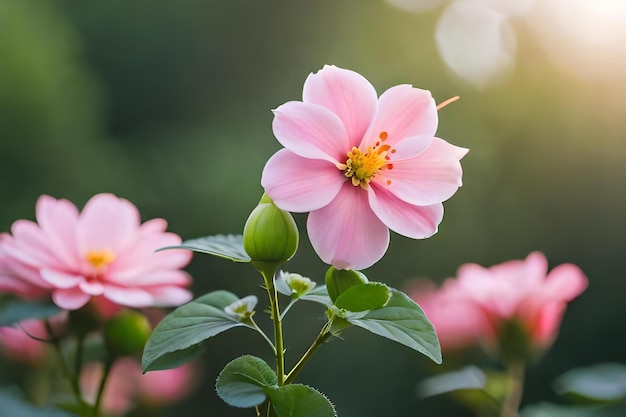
(515, 389)
(323, 335)
(268, 278)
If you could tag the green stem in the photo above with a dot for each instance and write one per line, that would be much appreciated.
(291, 303)
(97, 408)
(78, 359)
(515, 389)
(267, 339)
(72, 379)
(323, 335)
(268, 277)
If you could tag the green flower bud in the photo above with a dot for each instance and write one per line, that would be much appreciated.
(339, 280)
(127, 333)
(270, 235)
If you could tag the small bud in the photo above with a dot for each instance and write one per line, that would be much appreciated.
(127, 333)
(270, 234)
(242, 309)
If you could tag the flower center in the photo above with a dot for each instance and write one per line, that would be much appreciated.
(362, 167)
(100, 258)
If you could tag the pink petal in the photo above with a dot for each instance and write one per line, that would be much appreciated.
(526, 275)
(61, 279)
(565, 282)
(403, 111)
(547, 323)
(431, 177)
(91, 288)
(311, 131)
(346, 233)
(57, 219)
(347, 94)
(70, 299)
(106, 222)
(30, 246)
(410, 148)
(131, 297)
(167, 296)
(141, 257)
(417, 222)
(154, 277)
(299, 184)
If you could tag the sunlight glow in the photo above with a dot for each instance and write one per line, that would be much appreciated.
(584, 37)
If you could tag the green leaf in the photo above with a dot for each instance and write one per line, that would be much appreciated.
(554, 410)
(17, 310)
(603, 382)
(13, 406)
(175, 339)
(222, 246)
(242, 381)
(318, 295)
(469, 377)
(339, 280)
(362, 297)
(296, 400)
(403, 321)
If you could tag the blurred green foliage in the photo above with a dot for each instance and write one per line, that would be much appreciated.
(168, 104)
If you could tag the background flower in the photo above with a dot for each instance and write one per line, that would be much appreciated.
(524, 291)
(458, 323)
(104, 251)
(19, 346)
(361, 165)
(127, 386)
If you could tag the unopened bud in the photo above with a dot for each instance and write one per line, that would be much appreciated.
(339, 280)
(270, 234)
(127, 333)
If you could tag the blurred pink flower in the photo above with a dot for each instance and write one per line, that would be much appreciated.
(120, 391)
(104, 251)
(127, 387)
(159, 388)
(361, 165)
(524, 293)
(457, 322)
(17, 345)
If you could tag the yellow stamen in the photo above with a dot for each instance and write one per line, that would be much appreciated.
(362, 167)
(100, 258)
(448, 101)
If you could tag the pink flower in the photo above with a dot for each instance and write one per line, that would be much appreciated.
(103, 251)
(160, 388)
(457, 322)
(523, 293)
(119, 396)
(361, 165)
